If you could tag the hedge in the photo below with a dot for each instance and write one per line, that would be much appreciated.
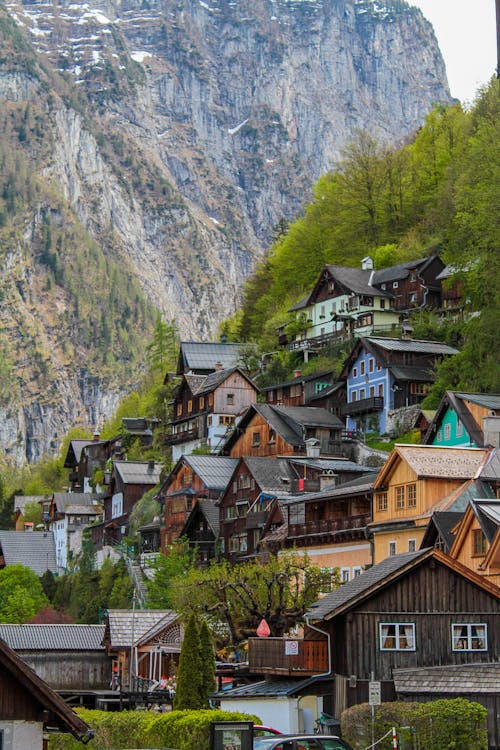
(446, 724)
(182, 730)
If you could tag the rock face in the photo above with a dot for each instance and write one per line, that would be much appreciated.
(182, 131)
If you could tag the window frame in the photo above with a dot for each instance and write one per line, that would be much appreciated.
(400, 496)
(398, 635)
(411, 495)
(469, 637)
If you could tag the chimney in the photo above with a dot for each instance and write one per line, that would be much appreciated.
(151, 465)
(491, 430)
(218, 366)
(406, 332)
(367, 263)
(327, 479)
(313, 448)
(297, 373)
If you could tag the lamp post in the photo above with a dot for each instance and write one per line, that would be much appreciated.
(132, 636)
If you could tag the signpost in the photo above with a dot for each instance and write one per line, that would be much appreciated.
(374, 699)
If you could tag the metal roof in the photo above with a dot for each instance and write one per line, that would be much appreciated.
(401, 271)
(197, 355)
(33, 549)
(356, 280)
(138, 472)
(488, 400)
(53, 637)
(263, 689)
(458, 679)
(271, 474)
(125, 624)
(63, 500)
(411, 345)
(214, 471)
(335, 464)
(309, 416)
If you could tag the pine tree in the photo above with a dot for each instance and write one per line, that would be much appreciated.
(207, 655)
(189, 678)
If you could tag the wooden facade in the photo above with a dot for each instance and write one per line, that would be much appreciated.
(287, 656)
(477, 539)
(260, 439)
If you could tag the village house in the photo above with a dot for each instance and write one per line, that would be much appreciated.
(20, 503)
(30, 709)
(205, 409)
(33, 549)
(300, 390)
(477, 539)
(267, 431)
(465, 419)
(247, 501)
(351, 302)
(87, 459)
(329, 525)
(193, 479)
(129, 481)
(383, 375)
(204, 357)
(201, 530)
(67, 515)
(416, 481)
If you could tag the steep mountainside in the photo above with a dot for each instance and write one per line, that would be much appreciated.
(148, 149)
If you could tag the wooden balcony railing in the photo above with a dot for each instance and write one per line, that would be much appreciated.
(181, 437)
(363, 406)
(327, 525)
(287, 656)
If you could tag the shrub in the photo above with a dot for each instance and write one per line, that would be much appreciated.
(183, 730)
(445, 724)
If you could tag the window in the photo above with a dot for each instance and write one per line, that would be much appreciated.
(344, 575)
(230, 511)
(397, 636)
(354, 396)
(355, 372)
(223, 419)
(381, 390)
(412, 545)
(272, 436)
(382, 304)
(447, 431)
(439, 436)
(202, 402)
(395, 284)
(469, 637)
(382, 501)
(209, 420)
(255, 439)
(230, 399)
(459, 428)
(411, 496)
(400, 497)
(190, 406)
(419, 389)
(371, 365)
(362, 368)
(361, 393)
(372, 390)
(392, 548)
(413, 276)
(179, 410)
(356, 571)
(478, 543)
(382, 286)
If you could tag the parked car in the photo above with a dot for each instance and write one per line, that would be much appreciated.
(301, 742)
(259, 730)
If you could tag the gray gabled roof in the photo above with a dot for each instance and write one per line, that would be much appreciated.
(204, 356)
(214, 471)
(487, 513)
(21, 501)
(271, 474)
(333, 464)
(124, 624)
(441, 523)
(53, 637)
(352, 590)
(33, 549)
(491, 469)
(410, 345)
(65, 500)
(138, 472)
(309, 416)
(356, 280)
(401, 271)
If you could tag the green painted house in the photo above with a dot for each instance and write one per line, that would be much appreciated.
(460, 420)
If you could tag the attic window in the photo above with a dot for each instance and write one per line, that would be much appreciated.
(478, 543)
(230, 399)
(255, 439)
(395, 284)
(272, 436)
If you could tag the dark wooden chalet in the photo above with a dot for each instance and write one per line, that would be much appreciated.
(205, 407)
(202, 530)
(247, 502)
(267, 431)
(130, 480)
(193, 478)
(413, 284)
(300, 390)
(29, 708)
(85, 457)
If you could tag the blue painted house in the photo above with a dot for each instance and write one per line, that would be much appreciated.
(462, 419)
(383, 374)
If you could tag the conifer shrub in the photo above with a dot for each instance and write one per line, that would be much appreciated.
(442, 724)
(188, 693)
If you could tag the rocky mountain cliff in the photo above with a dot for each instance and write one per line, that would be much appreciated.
(160, 142)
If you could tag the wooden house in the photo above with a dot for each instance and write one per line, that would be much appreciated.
(202, 531)
(204, 357)
(205, 408)
(86, 457)
(329, 525)
(193, 478)
(383, 375)
(245, 505)
(465, 419)
(300, 390)
(411, 485)
(70, 658)
(477, 539)
(130, 480)
(411, 612)
(143, 644)
(29, 708)
(267, 430)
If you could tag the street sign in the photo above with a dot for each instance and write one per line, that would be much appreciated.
(374, 694)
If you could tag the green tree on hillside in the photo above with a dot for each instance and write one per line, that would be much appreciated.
(21, 594)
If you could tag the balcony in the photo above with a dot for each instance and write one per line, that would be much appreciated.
(181, 437)
(326, 527)
(256, 520)
(283, 656)
(363, 406)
